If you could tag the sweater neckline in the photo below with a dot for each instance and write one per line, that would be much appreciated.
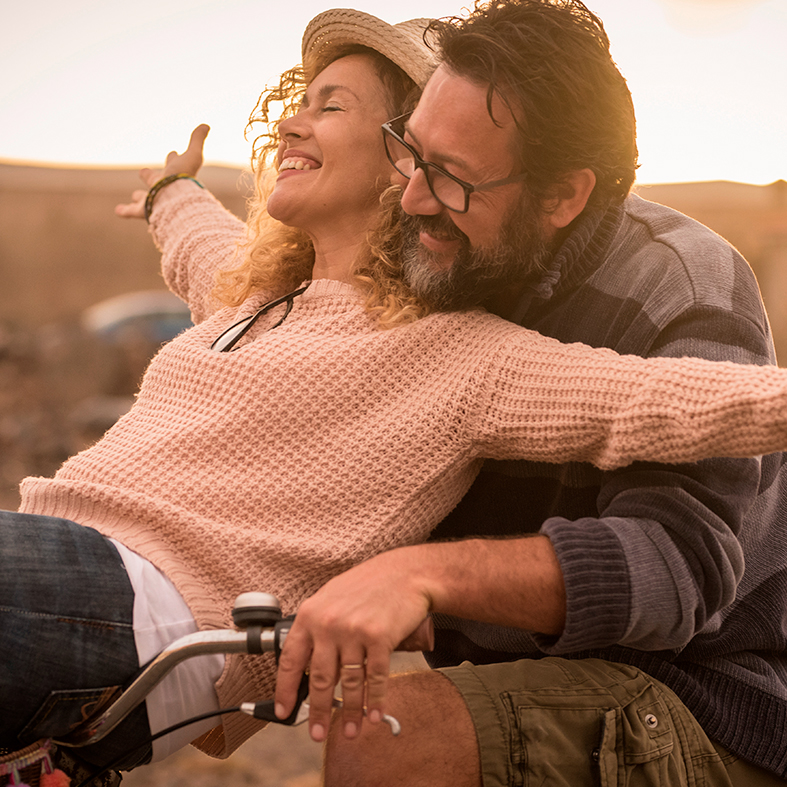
(326, 288)
(582, 251)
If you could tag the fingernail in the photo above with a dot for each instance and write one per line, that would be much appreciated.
(375, 716)
(279, 710)
(350, 729)
(318, 732)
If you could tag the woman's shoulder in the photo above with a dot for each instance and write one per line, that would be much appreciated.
(471, 334)
(475, 322)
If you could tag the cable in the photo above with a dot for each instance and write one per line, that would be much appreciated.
(112, 766)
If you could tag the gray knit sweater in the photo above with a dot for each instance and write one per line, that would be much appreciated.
(678, 570)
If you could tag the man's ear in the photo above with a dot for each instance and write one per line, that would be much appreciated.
(572, 194)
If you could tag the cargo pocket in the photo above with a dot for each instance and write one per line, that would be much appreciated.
(637, 747)
(557, 744)
(64, 710)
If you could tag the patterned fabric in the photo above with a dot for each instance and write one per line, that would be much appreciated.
(680, 571)
(324, 441)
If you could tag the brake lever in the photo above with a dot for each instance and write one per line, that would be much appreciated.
(265, 710)
(252, 610)
(392, 722)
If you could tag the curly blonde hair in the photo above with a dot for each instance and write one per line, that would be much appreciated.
(276, 258)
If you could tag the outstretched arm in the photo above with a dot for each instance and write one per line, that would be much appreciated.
(196, 235)
(541, 400)
(189, 162)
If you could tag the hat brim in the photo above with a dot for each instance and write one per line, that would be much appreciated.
(402, 44)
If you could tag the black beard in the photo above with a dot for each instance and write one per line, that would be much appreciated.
(476, 275)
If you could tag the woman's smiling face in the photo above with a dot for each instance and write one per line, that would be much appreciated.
(331, 158)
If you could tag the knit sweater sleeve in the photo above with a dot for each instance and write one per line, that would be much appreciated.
(545, 401)
(197, 236)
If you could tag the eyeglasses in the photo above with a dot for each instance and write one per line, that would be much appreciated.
(448, 190)
(227, 340)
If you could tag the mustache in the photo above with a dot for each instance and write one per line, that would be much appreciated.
(439, 226)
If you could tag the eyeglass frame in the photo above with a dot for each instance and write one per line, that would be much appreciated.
(420, 163)
(289, 298)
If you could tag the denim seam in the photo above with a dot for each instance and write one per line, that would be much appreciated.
(85, 694)
(108, 624)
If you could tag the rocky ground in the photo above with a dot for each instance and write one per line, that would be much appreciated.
(276, 757)
(61, 387)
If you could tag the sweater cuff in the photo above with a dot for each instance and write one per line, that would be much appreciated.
(595, 572)
(170, 200)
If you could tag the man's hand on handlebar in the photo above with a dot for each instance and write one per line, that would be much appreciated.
(346, 633)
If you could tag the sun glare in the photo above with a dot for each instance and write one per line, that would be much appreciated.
(89, 83)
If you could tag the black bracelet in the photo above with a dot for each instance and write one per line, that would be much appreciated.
(159, 184)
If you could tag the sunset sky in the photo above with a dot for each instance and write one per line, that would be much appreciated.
(104, 82)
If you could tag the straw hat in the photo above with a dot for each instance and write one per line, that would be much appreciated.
(402, 44)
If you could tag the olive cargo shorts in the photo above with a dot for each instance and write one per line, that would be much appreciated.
(588, 723)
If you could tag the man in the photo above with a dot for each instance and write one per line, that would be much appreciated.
(626, 627)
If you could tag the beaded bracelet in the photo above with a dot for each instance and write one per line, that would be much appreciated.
(159, 184)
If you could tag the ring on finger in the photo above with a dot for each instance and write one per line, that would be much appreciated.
(353, 666)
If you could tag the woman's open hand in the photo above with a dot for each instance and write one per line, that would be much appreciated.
(188, 162)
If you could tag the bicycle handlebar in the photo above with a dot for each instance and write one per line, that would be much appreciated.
(261, 630)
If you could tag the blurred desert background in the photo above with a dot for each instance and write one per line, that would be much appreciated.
(63, 380)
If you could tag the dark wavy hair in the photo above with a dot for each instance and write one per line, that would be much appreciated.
(549, 61)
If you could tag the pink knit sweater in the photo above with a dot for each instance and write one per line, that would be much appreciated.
(325, 441)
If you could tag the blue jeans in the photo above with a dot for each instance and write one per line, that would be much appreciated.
(66, 635)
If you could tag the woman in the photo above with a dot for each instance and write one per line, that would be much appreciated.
(273, 446)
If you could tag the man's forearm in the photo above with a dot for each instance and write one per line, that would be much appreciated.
(511, 582)
(360, 616)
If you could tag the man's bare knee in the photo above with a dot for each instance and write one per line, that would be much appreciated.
(437, 745)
